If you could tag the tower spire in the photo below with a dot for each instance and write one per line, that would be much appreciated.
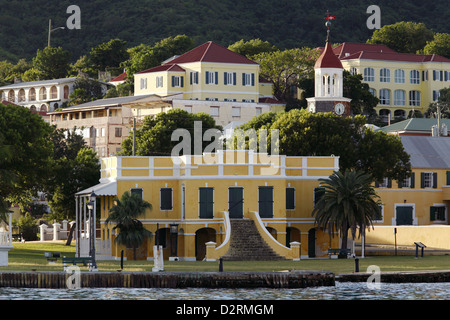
(328, 24)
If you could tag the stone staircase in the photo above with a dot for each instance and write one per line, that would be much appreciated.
(247, 244)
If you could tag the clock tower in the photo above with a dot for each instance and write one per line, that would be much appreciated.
(329, 82)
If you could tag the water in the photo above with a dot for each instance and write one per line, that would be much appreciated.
(342, 291)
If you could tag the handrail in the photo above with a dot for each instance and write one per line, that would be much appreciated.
(227, 229)
(213, 252)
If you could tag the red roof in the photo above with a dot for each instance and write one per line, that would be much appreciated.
(6, 102)
(164, 67)
(328, 59)
(121, 77)
(211, 52)
(348, 48)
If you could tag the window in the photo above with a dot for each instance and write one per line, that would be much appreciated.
(446, 75)
(143, 83)
(43, 94)
(212, 77)
(290, 198)
(428, 180)
(385, 96)
(385, 75)
(32, 95)
(21, 95)
(137, 191)
(425, 75)
(214, 111)
(194, 77)
(248, 79)
(118, 132)
(265, 202)
(414, 77)
(229, 78)
(159, 82)
(236, 112)
(385, 183)
(379, 215)
(373, 92)
(399, 76)
(177, 81)
(437, 75)
(399, 97)
(437, 213)
(66, 92)
(369, 74)
(206, 203)
(53, 93)
(414, 98)
(436, 95)
(166, 199)
(318, 193)
(258, 111)
(353, 71)
(408, 182)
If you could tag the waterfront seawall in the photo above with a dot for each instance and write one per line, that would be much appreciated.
(58, 280)
(398, 276)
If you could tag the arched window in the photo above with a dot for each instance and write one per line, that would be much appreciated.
(11, 96)
(414, 77)
(400, 114)
(369, 74)
(33, 108)
(399, 97)
(66, 92)
(385, 96)
(43, 94)
(43, 108)
(53, 93)
(385, 75)
(373, 92)
(414, 98)
(21, 95)
(32, 95)
(399, 76)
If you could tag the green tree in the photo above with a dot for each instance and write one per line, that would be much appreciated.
(52, 63)
(362, 100)
(252, 47)
(286, 69)
(348, 203)
(154, 136)
(124, 214)
(25, 152)
(109, 55)
(444, 105)
(85, 90)
(75, 167)
(440, 45)
(27, 227)
(405, 37)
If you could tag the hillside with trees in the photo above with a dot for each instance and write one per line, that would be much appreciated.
(285, 24)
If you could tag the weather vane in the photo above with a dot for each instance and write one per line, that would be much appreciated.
(328, 23)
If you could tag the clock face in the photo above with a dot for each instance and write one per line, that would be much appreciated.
(339, 108)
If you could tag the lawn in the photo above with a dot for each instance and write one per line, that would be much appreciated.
(29, 256)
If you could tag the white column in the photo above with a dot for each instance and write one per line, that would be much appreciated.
(42, 229)
(56, 228)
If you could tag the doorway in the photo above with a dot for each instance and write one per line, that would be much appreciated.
(236, 202)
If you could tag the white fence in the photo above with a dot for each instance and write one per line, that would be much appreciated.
(102, 248)
(58, 231)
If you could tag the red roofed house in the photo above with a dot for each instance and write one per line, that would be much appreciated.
(211, 79)
(403, 82)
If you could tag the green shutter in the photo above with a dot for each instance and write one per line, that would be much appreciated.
(206, 203)
(234, 78)
(413, 180)
(389, 185)
(173, 81)
(225, 78)
(217, 77)
(137, 191)
(166, 198)
(207, 77)
(253, 79)
(434, 180)
(243, 79)
(265, 201)
(422, 180)
(318, 193)
(432, 213)
(448, 178)
(182, 81)
(290, 198)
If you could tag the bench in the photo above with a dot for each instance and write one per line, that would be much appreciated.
(333, 251)
(52, 256)
(77, 260)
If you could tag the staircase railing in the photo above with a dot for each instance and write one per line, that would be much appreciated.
(213, 253)
(289, 253)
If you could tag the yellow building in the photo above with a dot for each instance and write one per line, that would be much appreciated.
(418, 206)
(403, 82)
(210, 79)
(201, 197)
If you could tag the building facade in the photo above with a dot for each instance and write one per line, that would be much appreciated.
(195, 197)
(403, 82)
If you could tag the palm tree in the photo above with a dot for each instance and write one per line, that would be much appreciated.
(347, 203)
(124, 214)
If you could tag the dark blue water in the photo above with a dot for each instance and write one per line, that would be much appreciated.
(342, 291)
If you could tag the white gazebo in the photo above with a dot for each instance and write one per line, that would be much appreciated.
(5, 241)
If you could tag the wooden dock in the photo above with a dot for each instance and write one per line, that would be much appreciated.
(58, 280)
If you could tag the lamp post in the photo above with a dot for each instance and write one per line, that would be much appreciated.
(92, 232)
(50, 30)
(173, 242)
